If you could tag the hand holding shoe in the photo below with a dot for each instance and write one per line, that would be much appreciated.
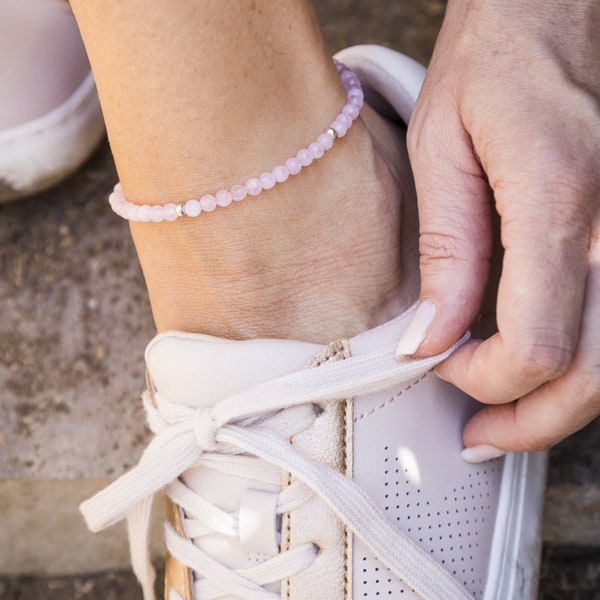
(510, 106)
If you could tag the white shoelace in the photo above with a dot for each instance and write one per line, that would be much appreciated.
(246, 433)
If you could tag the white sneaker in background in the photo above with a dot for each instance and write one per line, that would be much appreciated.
(302, 471)
(50, 118)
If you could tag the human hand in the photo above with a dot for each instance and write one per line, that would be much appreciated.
(511, 105)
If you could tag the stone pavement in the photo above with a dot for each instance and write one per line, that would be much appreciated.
(74, 321)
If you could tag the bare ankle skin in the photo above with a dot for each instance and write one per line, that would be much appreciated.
(320, 256)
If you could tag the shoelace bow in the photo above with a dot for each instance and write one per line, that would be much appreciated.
(240, 428)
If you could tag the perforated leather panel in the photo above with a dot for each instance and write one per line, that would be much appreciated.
(407, 455)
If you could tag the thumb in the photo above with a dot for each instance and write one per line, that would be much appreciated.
(456, 240)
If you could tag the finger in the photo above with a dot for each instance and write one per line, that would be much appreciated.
(455, 230)
(557, 409)
(539, 302)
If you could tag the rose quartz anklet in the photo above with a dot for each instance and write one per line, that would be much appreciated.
(254, 185)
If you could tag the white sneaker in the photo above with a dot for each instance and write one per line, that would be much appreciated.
(298, 471)
(50, 119)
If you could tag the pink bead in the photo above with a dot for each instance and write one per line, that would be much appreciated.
(293, 165)
(316, 150)
(305, 157)
(156, 213)
(339, 127)
(238, 192)
(351, 110)
(170, 212)
(208, 203)
(345, 119)
(223, 198)
(356, 93)
(134, 213)
(280, 173)
(325, 141)
(267, 181)
(145, 213)
(253, 186)
(356, 101)
(192, 208)
(351, 84)
(124, 209)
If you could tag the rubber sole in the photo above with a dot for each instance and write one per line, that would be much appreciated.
(516, 549)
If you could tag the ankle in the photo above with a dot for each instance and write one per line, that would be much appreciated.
(314, 258)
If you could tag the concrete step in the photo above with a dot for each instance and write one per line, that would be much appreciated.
(567, 574)
(73, 327)
(43, 534)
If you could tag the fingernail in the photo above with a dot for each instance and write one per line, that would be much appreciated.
(479, 454)
(417, 329)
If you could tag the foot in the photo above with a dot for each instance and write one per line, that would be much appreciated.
(295, 468)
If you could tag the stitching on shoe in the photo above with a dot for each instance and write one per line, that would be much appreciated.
(392, 399)
(346, 536)
(338, 350)
(349, 466)
(288, 540)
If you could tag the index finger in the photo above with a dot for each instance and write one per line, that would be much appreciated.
(555, 410)
(539, 307)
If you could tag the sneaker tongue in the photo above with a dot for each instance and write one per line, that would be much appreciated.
(199, 370)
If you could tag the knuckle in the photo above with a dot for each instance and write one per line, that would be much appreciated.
(551, 194)
(543, 355)
(435, 246)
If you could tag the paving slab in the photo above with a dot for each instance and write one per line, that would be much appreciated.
(568, 573)
(74, 321)
(43, 535)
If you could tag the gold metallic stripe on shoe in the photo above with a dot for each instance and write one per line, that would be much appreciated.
(177, 576)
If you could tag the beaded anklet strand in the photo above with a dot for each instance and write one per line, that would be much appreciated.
(265, 181)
